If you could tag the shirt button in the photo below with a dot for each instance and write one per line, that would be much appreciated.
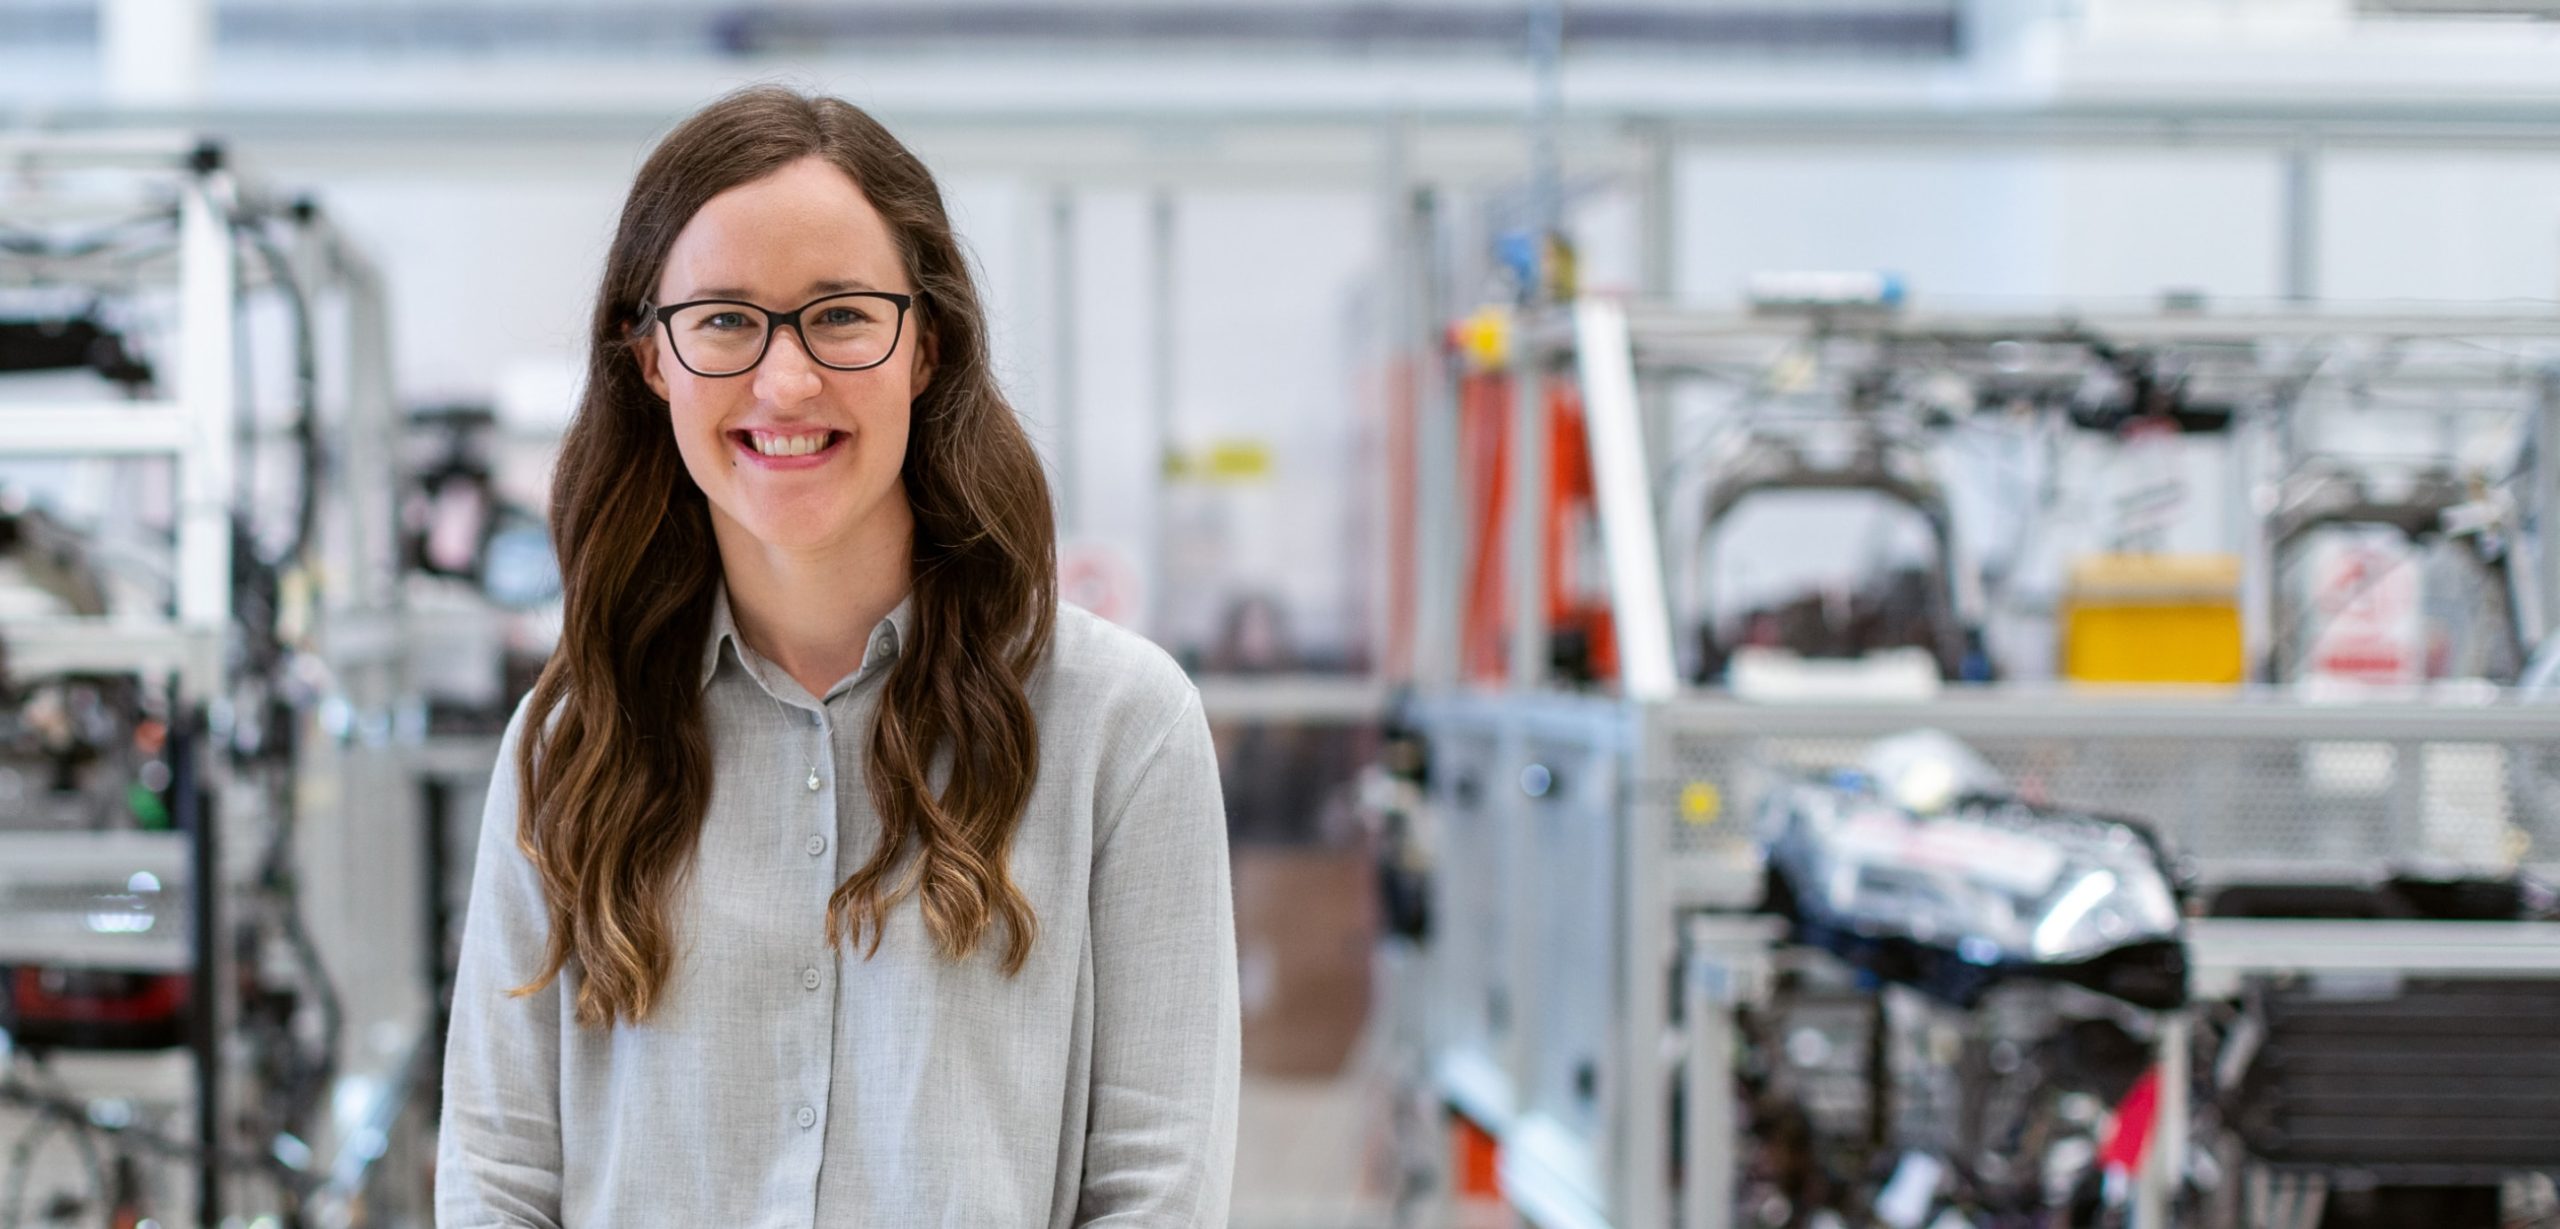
(808, 1118)
(817, 718)
(817, 845)
(809, 978)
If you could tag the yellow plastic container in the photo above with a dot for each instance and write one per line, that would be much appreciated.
(2153, 619)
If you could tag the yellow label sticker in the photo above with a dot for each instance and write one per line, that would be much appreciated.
(1701, 803)
(1235, 460)
(1485, 338)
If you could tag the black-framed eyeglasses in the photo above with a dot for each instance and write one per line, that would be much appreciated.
(853, 331)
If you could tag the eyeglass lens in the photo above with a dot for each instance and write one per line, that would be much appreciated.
(851, 330)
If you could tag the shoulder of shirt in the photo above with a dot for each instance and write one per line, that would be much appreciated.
(516, 729)
(1098, 667)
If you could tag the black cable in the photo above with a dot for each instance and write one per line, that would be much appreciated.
(22, 1158)
(145, 1140)
(106, 238)
(313, 1077)
(306, 388)
(22, 1155)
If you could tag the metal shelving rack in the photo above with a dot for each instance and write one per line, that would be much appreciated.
(194, 430)
(183, 650)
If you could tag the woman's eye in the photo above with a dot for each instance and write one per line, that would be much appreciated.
(724, 321)
(841, 316)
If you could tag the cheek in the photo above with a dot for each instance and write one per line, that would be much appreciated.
(882, 408)
(695, 416)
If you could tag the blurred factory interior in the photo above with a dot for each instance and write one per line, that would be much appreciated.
(1935, 614)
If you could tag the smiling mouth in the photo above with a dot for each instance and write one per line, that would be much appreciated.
(791, 444)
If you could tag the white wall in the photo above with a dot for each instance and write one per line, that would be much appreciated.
(492, 260)
(494, 275)
(2460, 225)
(1967, 224)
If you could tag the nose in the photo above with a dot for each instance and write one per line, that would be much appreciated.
(786, 376)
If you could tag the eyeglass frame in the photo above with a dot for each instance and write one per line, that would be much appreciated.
(664, 318)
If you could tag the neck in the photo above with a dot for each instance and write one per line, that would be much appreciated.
(810, 610)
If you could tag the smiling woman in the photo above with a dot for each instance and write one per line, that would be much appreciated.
(793, 423)
(835, 872)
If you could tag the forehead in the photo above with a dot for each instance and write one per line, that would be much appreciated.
(774, 240)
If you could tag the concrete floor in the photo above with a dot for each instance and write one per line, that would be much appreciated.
(1311, 1154)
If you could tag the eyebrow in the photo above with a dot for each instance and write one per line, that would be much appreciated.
(815, 290)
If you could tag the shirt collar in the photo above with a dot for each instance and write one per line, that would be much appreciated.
(888, 636)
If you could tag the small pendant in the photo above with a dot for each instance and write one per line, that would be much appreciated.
(813, 780)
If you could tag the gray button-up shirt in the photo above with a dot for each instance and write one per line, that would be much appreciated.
(782, 1082)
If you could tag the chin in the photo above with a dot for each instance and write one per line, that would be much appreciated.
(784, 531)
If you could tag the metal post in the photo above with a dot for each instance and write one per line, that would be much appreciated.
(1629, 531)
(1658, 212)
(1546, 144)
(1397, 601)
(1414, 357)
(2302, 220)
(1529, 362)
(1440, 546)
(435, 802)
(1160, 370)
(1514, 813)
(207, 277)
(1529, 651)
(2244, 468)
(193, 812)
(1063, 339)
(372, 429)
(1647, 953)
(2546, 496)
(1725, 969)
(2156, 1187)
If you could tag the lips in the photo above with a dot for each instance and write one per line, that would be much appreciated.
(788, 449)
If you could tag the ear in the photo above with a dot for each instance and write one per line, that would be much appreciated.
(644, 351)
(920, 365)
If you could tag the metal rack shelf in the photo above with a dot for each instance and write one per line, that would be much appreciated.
(53, 885)
(76, 645)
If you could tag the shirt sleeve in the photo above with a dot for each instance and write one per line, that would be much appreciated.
(1160, 1142)
(498, 1153)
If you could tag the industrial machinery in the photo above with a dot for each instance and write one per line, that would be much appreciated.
(1666, 1014)
(198, 664)
(1923, 867)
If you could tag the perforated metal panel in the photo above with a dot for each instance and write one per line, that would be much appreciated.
(1529, 884)
(1555, 904)
(1469, 955)
(1571, 880)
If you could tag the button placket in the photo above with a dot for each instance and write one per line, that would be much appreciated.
(817, 842)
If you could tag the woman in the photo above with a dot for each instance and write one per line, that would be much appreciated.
(833, 873)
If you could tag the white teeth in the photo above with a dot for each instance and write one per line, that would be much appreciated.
(773, 445)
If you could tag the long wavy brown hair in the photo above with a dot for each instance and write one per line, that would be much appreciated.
(613, 758)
